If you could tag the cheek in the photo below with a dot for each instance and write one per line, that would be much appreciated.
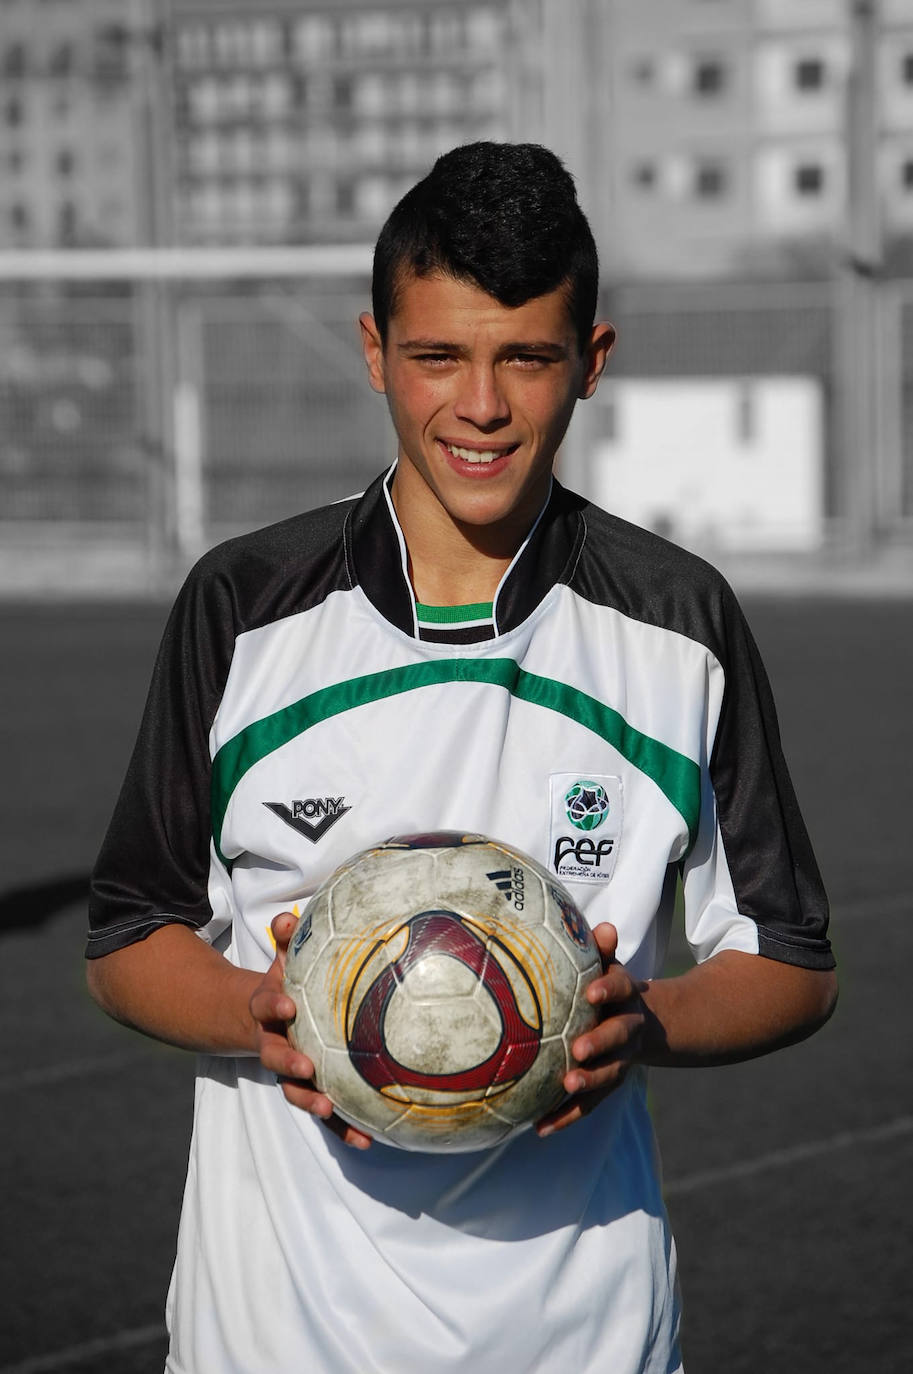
(548, 419)
(415, 406)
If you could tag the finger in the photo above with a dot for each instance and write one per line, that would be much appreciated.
(615, 985)
(349, 1135)
(272, 1007)
(580, 1103)
(573, 1110)
(308, 1099)
(282, 1059)
(283, 928)
(617, 1035)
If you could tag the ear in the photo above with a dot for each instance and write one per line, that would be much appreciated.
(373, 349)
(602, 341)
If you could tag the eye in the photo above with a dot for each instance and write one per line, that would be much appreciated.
(528, 361)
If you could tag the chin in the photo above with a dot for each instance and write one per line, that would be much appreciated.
(480, 512)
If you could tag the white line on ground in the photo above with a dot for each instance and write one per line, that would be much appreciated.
(60, 1360)
(74, 1068)
(784, 1159)
(87, 1350)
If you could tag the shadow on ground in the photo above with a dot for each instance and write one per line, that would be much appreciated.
(35, 903)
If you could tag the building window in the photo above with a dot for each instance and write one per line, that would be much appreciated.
(710, 181)
(808, 179)
(66, 223)
(65, 163)
(267, 39)
(709, 77)
(19, 216)
(13, 113)
(906, 68)
(906, 175)
(314, 38)
(374, 198)
(643, 175)
(746, 420)
(232, 46)
(808, 74)
(446, 31)
(483, 29)
(193, 46)
(61, 60)
(14, 62)
(643, 71)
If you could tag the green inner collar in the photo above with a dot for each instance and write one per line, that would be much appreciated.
(453, 615)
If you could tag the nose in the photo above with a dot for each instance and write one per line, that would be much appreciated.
(481, 400)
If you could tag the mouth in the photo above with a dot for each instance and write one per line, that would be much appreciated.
(477, 457)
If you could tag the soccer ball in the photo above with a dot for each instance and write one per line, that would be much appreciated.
(439, 983)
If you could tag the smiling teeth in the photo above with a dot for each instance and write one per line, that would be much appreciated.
(471, 455)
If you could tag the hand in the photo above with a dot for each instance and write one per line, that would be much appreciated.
(607, 1051)
(272, 1011)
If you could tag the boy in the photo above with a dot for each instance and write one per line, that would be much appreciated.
(453, 650)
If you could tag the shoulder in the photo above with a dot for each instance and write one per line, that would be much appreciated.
(647, 578)
(273, 572)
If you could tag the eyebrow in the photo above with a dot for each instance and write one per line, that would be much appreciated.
(547, 348)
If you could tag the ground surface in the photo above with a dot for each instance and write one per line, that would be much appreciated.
(787, 1179)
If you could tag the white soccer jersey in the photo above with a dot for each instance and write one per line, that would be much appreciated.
(301, 711)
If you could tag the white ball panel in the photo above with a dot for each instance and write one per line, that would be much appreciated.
(439, 1036)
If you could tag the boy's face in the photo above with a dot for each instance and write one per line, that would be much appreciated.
(480, 395)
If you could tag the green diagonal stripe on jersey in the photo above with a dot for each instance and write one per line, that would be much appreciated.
(677, 776)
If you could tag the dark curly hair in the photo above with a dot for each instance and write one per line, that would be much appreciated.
(501, 215)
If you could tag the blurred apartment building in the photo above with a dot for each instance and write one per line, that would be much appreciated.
(70, 132)
(306, 121)
(747, 166)
(728, 130)
(709, 137)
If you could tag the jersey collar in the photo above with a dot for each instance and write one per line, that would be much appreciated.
(376, 554)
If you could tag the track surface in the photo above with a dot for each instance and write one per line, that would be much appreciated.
(787, 1179)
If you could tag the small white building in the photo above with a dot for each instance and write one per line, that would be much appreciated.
(734, 464)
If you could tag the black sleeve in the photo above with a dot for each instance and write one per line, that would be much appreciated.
(768, 852)
(154, 865)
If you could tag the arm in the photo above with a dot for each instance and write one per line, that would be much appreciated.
(732, 1007)
(175, 987)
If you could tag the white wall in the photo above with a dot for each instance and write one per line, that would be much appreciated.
(734, 464)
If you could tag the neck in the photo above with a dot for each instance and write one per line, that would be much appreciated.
(463, 581)
(451, 562)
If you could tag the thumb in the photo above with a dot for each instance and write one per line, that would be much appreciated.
(606, 937)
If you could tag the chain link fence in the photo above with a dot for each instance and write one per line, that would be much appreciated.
(142, 422)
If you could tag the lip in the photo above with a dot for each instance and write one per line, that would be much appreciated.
(466, 467)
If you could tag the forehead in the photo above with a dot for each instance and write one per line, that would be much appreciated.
(446, 308)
